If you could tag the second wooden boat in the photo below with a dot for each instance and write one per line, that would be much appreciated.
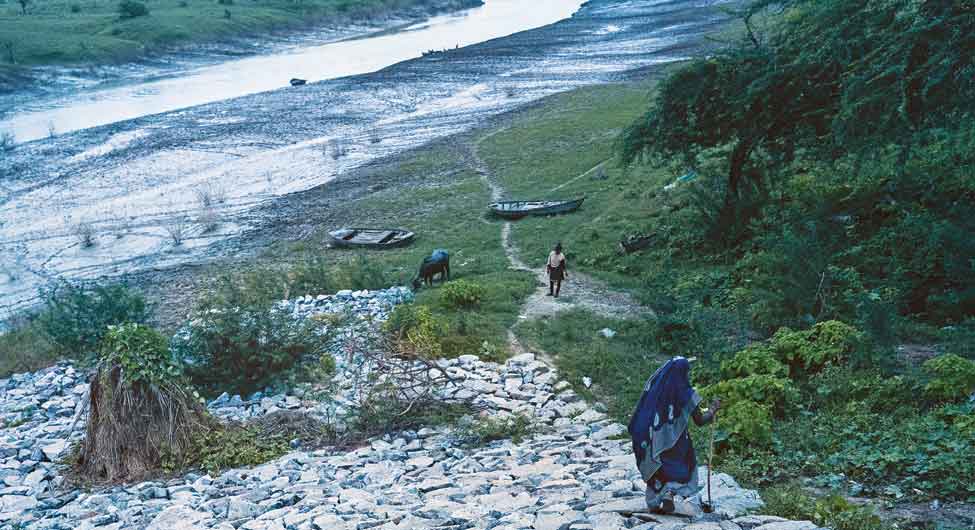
(371, 237)
(518, 209)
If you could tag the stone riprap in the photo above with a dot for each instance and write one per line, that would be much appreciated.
(575, 472)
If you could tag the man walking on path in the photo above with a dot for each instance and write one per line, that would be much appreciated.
(556, 270)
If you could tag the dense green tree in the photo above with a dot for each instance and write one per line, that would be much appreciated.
(834, 76)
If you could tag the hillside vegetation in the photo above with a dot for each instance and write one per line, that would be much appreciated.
(821, 234)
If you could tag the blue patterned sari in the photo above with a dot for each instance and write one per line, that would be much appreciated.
(658, 428)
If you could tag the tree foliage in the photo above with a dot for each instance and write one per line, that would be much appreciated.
(834, 77)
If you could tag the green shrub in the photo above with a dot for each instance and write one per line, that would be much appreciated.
(792, 502)
(240, 350)
(132, 9)
(462, 294)
(776, 392)
(839, 385)
(484, 430)
(221, 448)
(952, 377)
(361, 273)
(810, 350)
(384, 410)
(492, 352)
(417, 331)
(25, 348)
(755, 360)
(253, 288)
(142, 353)
(314, 276)
(746, 422)
(76, 317)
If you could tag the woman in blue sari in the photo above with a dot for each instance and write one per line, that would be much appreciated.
(663, 448)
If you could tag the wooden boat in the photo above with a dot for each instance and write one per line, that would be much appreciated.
(635, 243)
(371, 237)
(519, 209)
(297, 82)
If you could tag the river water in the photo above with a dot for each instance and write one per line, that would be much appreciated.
(82, 109)
(233, 143)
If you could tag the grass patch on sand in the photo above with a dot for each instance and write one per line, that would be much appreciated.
(616, 367)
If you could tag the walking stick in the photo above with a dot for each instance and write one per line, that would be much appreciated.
(709, 506)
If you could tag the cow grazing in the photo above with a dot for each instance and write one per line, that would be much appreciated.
(436, 263)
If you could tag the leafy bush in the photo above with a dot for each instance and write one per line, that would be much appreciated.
(361, 273)
(140, 408)
(384, 410)
(810, 350)
(484, 430)
(240, 349)
(755, 360)
(911, 452)
(76, 317)
(417, 331)
(142, 353)
(462, 294)
(24, 348)
(791, 502)
(952, 377)
(746, 422)
(314, 276)
(877, 392)
(132, 9)
(776, 392)
(216, 449)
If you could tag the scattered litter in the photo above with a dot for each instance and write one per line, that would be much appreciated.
(586, 382)
(607, 333)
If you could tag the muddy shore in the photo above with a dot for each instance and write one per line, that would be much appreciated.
(280, 158)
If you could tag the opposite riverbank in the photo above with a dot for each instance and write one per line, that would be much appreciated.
(94, 35)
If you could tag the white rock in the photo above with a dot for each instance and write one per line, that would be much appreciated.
(53, 450)
(609, 431)
(554, 520)
(17, 503)
(607, 521)
(179, 517)
(239, 508)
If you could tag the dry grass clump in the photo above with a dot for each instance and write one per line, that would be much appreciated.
(131, 427)
(139, 408)
(85, 232)
(178, 228)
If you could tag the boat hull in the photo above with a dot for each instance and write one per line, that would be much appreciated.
(377, 238)
(514, 210)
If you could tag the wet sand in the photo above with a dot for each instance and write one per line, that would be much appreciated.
(265, 159)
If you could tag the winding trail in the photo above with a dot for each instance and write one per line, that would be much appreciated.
(579, 291)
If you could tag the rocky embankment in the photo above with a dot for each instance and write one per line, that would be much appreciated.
(575, 472)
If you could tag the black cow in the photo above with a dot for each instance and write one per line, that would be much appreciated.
(436, 263)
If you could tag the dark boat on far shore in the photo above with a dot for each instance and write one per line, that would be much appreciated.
(297, 82)
(371, 237)
(519, 209)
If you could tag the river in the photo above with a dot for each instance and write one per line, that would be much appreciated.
(358, 54)
(105, 201)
